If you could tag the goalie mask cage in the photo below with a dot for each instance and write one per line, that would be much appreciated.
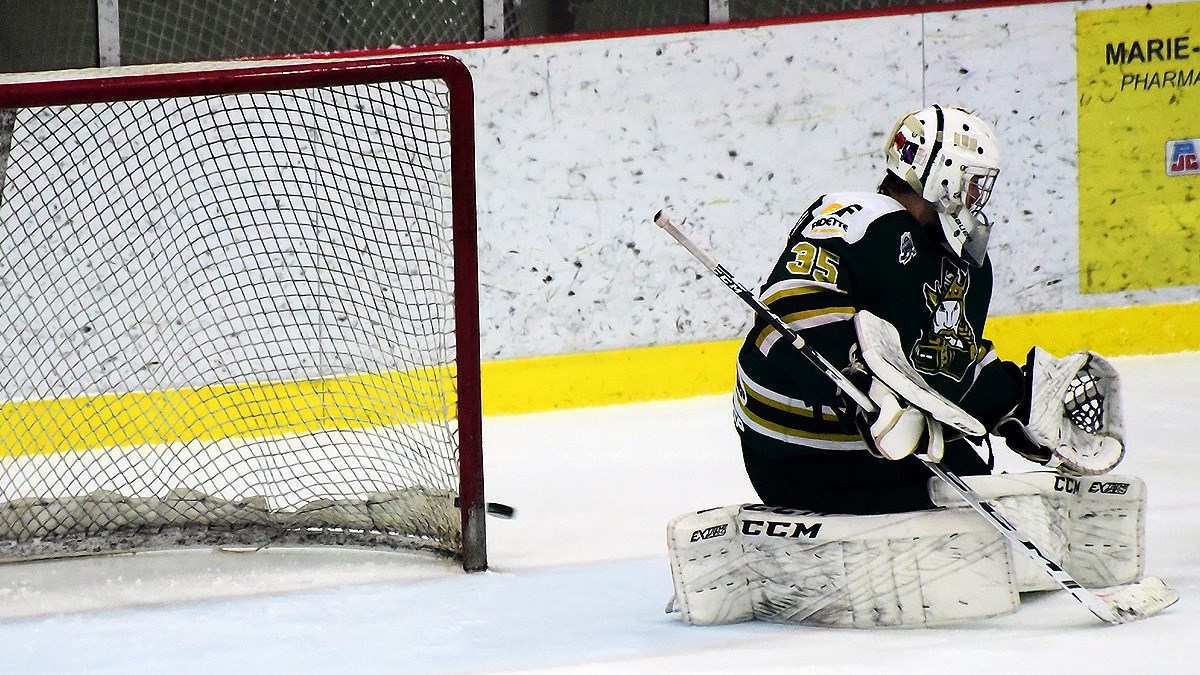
(240, 308)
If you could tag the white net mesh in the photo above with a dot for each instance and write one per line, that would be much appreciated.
(229, 319)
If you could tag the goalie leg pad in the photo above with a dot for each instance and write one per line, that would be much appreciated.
(708, 567)
(895, 570)
(1093, 527)
(925, 568)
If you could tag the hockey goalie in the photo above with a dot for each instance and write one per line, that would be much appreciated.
(893, 287)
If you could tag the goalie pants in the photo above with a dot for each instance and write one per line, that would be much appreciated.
(846, 481)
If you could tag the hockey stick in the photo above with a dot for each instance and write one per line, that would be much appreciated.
(1119, 604)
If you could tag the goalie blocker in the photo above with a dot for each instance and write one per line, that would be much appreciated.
(923, 568)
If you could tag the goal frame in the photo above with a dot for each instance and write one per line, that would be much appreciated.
(129, 83)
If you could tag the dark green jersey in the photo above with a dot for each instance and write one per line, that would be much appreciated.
(861, 251)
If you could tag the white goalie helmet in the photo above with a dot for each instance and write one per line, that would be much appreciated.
(951, 158)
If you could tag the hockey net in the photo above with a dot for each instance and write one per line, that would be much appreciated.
(240, 308)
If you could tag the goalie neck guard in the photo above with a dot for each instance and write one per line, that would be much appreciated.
(951, 158)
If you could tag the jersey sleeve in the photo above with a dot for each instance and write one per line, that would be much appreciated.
(809, 290)
(815, 281)
(780, 396)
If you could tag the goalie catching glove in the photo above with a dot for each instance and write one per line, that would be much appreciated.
(1070, 416)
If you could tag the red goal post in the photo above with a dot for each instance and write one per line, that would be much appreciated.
(243, 308)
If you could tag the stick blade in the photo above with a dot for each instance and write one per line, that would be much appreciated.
(1138, 600)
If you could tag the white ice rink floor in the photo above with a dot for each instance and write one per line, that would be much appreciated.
(579, 579)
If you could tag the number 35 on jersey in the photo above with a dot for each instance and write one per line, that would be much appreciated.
(814, 262)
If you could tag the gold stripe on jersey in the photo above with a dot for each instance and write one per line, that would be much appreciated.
(800, 321)
(781, 432)
(802, 304)
(790, 420)
(780, 402)
(789, 288)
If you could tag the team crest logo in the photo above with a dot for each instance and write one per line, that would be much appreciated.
(908, 250)
(947, 346)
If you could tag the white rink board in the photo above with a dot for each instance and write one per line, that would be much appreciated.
(579, 143)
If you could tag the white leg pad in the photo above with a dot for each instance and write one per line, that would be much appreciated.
(926, 568)
(708, 567)
(1092, 526)
(922, 568)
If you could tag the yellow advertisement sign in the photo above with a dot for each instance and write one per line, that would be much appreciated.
(1139, 147)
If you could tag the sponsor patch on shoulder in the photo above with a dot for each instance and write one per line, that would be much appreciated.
(845, 215)
(828, 222)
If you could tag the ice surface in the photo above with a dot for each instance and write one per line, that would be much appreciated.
(579, 579)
